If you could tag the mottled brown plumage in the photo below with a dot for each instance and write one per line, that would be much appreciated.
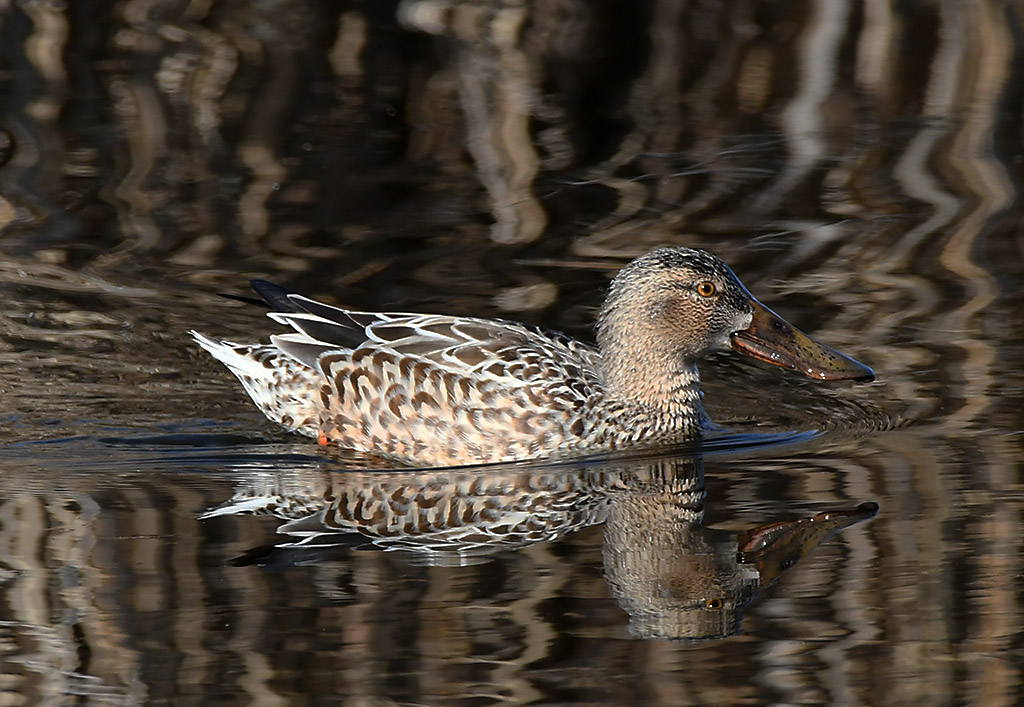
(436, 390)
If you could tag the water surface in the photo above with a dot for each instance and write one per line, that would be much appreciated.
(859, 166)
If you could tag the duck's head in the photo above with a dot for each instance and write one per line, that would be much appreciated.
(675, 304)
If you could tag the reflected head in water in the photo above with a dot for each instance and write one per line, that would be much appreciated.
(673, 577)
(689, 582)
(437, 390)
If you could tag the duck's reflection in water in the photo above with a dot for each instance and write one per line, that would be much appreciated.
(674, 577)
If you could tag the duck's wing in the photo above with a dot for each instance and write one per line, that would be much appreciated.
(472, 347)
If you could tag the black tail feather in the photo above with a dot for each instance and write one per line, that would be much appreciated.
(275, 295)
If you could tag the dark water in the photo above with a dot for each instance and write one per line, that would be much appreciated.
(858, 164)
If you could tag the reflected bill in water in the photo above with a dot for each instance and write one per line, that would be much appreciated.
(674, 577)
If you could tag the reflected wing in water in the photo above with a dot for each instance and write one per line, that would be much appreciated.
(438, 518)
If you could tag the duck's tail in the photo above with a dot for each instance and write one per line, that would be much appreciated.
(282, 387)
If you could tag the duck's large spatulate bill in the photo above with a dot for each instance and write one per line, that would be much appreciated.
(772, 339)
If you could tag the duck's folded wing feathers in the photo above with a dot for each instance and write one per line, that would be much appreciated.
(469, 346)
(300, 347)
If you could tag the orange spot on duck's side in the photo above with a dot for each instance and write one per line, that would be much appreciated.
(321, 439)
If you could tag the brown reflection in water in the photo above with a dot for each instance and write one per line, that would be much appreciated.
(935, 582)
(111, 589)
(240, 134)
(675, 578)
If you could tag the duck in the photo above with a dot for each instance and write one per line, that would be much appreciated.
(430, 390)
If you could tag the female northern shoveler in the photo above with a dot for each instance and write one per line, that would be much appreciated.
(434, 390)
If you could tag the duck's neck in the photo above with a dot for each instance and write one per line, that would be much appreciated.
(641, 365)
(664, 384)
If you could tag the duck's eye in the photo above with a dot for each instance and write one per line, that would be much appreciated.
(706, 289)
(715, 603)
